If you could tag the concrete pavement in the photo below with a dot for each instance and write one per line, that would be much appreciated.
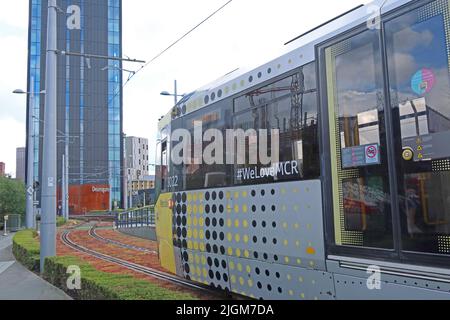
(18, 283)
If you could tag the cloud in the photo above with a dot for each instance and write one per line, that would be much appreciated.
(13, 69)
(245, 33)
(12, 135)
(409, 39)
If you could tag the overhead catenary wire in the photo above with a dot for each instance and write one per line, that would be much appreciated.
(133, 74)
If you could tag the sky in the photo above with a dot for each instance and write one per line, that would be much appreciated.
(245, 34)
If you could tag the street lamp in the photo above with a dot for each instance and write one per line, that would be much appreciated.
(29, 218)
(175, 94)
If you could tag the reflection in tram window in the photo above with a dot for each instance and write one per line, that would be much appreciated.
(418, 46)
(413, 118)
(360, 130)
(426, 209)
(362, 206)
(198, 174)
(289, 106)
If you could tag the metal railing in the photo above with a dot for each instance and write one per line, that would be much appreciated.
(13, 223)
(136, 218)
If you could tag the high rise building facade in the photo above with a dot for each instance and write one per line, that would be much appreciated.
(20, 164)
(136, 157)
(89, 103)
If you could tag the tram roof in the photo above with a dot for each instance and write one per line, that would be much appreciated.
(294, 54)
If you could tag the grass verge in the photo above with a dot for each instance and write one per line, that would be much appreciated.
(98, 285)
(95, 284)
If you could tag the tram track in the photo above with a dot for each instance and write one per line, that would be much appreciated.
(135, 267)
(95, 235)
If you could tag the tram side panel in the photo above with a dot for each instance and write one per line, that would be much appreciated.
(164, 233)
(262, 241)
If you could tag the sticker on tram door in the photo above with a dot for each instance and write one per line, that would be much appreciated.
(372, 154)
(361, 156)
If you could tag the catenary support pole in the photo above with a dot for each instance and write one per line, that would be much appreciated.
(29, 219)
(63, 186)
(48, 183)
(66, 179)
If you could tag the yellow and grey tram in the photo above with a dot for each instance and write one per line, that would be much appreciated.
(358, 204)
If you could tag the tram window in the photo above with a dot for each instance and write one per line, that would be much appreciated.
(361, 194)
(198, 174)
(417, 46)
(164, 166)
(289, 106)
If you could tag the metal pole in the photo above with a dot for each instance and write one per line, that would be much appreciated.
(34, 211)
(176, 92)
(144, 195)
(110, 189)
(63, 186)
(48, 216)
(66, 179)
(30, 162)
(125, 179)
(125, 198)
(130, 201)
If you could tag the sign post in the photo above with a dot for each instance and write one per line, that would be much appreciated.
(5, 226)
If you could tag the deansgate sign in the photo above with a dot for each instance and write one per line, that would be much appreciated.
(100, 190)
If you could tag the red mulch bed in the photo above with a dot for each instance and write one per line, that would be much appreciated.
(118, 236)
(151, 260)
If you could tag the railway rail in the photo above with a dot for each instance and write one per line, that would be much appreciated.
(136, 267)
(95, 235)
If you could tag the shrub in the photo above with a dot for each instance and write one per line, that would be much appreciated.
(98, 285)
(95, 285)
(60, 221)
(26, 249)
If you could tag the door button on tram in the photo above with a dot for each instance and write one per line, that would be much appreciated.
(408, 154)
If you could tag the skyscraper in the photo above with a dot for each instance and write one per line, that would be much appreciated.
(89, 103)
(20, 164)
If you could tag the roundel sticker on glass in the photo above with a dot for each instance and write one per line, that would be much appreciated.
(423, 81)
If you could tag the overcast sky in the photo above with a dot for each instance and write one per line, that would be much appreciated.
(246, 33)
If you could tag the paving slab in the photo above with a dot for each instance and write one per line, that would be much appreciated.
(18, 283)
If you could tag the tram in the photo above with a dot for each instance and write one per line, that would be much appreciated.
(357, 205)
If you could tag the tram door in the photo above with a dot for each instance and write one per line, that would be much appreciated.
(418, 47)
(388, 100)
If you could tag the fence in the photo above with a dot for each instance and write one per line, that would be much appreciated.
(143, 217)
(13, 224)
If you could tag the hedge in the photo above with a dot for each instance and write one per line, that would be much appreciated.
(98, 285)
(26, 249)
(60, 221)
(95, 284)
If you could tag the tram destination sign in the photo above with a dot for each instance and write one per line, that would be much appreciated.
(361, 156)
